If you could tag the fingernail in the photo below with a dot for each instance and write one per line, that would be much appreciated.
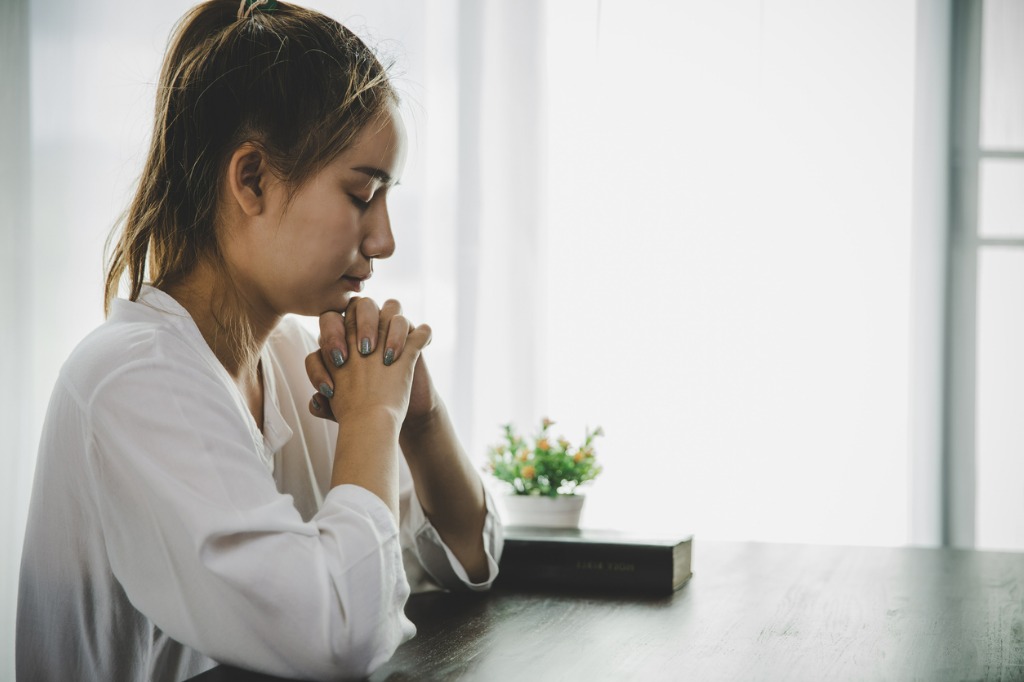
(327, 391)
(336, 358)
(316, 404)
(364, 346)
(389, 356)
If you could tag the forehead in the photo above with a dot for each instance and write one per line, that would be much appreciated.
(381, 145)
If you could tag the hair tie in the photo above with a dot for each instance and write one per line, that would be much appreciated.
(246, 7)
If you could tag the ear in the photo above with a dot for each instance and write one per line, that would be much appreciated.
(247, 178)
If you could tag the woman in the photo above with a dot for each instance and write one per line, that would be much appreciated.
(192, 503)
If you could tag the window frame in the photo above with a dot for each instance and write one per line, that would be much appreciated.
(966, 246)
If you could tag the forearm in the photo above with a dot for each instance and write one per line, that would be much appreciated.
(366, 454)
(448, 488)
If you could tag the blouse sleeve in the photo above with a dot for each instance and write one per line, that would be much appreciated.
(205, 546)
(431, 552)
(419, 539)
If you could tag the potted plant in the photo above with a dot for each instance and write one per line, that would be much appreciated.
(544, 474)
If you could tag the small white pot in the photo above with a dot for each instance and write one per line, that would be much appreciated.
(539, 510)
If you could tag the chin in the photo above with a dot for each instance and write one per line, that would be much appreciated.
(336, 301)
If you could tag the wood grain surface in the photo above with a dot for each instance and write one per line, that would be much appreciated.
(751, 612)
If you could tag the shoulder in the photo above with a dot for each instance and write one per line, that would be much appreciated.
(135, 338)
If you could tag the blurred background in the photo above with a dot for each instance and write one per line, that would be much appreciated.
(773, 247)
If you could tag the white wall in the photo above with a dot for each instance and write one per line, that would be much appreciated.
(15, 379)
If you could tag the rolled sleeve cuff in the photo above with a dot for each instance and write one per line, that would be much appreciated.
(358, 499)
(438, 559)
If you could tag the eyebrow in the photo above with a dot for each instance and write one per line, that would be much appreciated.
(377, 174)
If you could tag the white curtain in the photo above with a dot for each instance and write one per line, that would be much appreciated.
(732, 218)
(696, 224)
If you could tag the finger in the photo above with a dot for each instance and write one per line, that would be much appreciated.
(333, 345)
(418, 338)
(350, 325)
(351, 304)
(318, 374)
(367, 325)
(389, 311)
(398, 331)
(321, 407)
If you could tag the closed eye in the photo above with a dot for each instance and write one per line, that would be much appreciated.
(359, 203)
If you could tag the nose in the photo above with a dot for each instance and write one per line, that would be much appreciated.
(379, 241)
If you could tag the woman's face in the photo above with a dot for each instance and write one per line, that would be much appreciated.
(310, 255)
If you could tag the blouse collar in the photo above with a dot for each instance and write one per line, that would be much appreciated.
(276, 431)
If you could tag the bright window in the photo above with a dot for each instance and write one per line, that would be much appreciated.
(729, 261)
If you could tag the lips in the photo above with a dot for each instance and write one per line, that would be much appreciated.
(355, 282)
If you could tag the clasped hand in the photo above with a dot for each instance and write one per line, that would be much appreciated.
(369, 359)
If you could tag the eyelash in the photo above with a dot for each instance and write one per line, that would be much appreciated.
(359, 203)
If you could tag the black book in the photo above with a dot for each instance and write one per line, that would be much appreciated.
(592, 559)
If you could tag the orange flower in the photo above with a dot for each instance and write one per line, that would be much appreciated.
(523, 454)
(578, 457)
(528, 472)
(543, 444)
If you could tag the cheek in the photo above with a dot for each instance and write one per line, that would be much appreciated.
(336, 248)
(333, 252)
(325, 232)
(342, 237)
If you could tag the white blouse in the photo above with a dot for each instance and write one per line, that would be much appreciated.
(167, 532)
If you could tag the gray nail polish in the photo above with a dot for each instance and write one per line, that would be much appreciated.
(364, 346)
(389, 356)
(337, 358)
(316, 404)
(327, 391)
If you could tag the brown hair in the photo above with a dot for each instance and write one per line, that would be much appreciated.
(292, 81)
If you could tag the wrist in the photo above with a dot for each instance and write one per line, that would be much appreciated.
(377, 422)
(367, 453)
(424, 425)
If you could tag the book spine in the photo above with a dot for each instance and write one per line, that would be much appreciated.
(632, 568)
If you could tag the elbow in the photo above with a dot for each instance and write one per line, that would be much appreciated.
(358, 651)
(351, 655)
(358, 635)
(478, 569)
(340, 638)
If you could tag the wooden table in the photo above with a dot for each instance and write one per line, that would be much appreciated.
(751, 611)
